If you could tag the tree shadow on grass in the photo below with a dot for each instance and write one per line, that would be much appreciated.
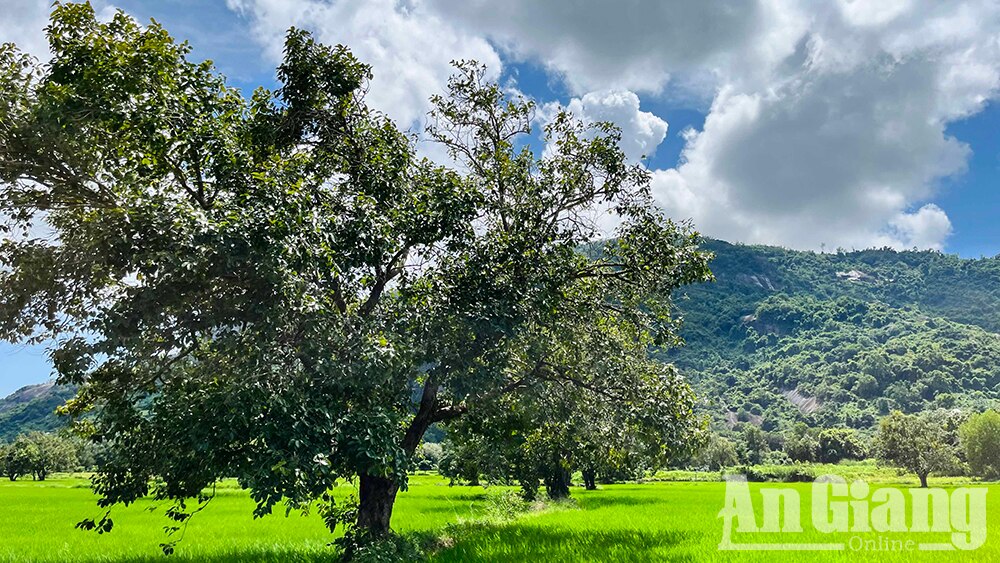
(519, 542)
(261, 554)
(596, 502)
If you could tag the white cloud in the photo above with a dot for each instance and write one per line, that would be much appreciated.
(632, 44)
(642, 131)
(925, 228)
(827, 122)
(23, 23)
(409, 48)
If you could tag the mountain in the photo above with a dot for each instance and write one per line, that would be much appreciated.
(839, 338)
(783, 336)
(32, 408)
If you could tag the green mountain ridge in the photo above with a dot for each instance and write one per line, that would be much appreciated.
(32, 408)
(839, 339)
(782, 336)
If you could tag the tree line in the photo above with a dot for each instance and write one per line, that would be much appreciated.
(39, 454)
(943, 442)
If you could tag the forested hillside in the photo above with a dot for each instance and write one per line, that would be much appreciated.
(32, 408)
(840, 338)
(781, 336)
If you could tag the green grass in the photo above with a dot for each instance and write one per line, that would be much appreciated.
(662, 521)
(37, 524)
(869, 470)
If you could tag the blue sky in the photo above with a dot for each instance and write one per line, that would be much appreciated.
(769, 121)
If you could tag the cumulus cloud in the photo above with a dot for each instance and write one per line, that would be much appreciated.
(410, 48)
(813, 163)
(23, 25)
(925, 228)
(24, 21)
(642, 131)
(637, 45)
(827, 122)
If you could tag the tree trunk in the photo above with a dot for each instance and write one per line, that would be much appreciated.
(590, 479)
(923, 480)
(377, 495)
(557, 483)
(529, 488)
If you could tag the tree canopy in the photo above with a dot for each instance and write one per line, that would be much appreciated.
(918, 443)
(278, 288)
(980, 439)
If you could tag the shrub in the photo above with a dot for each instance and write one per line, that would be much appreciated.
(980, 439)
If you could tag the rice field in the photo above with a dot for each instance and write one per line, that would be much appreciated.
(660, 521)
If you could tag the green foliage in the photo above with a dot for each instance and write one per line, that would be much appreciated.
(839, 340)
(802, 444)
(278, 289)
(15, 461)
(463, 459)
(505, 504)
(781, 473)
(391, 548)
(717, 453)
(917, 443)
(980, 439)
(429, 456)
(753, 445)
(835, 444)
(38, 454)
(576, 422)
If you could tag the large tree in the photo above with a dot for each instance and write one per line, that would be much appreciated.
(277, 288)
(918, 443)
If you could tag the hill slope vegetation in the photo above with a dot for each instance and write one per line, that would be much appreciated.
(782, 336)
(839, 339)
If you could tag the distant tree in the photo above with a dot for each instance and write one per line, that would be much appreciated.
(835, 444)
(429, 456)
(753, 444)
(15, 461)
(717, 453)
(801, 444)
(916, 443)
(40, 453)
(277, 288)
(462, 460)
(574, 422)
(980, 440)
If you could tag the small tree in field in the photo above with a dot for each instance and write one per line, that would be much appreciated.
(916, 443)
(802, 444)
(37, 454)
(980, 439)
(14, 461)
(45, 453)
(601, 407)
(836, 444)
(716, 454)
(276, 288)
(753, 444)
